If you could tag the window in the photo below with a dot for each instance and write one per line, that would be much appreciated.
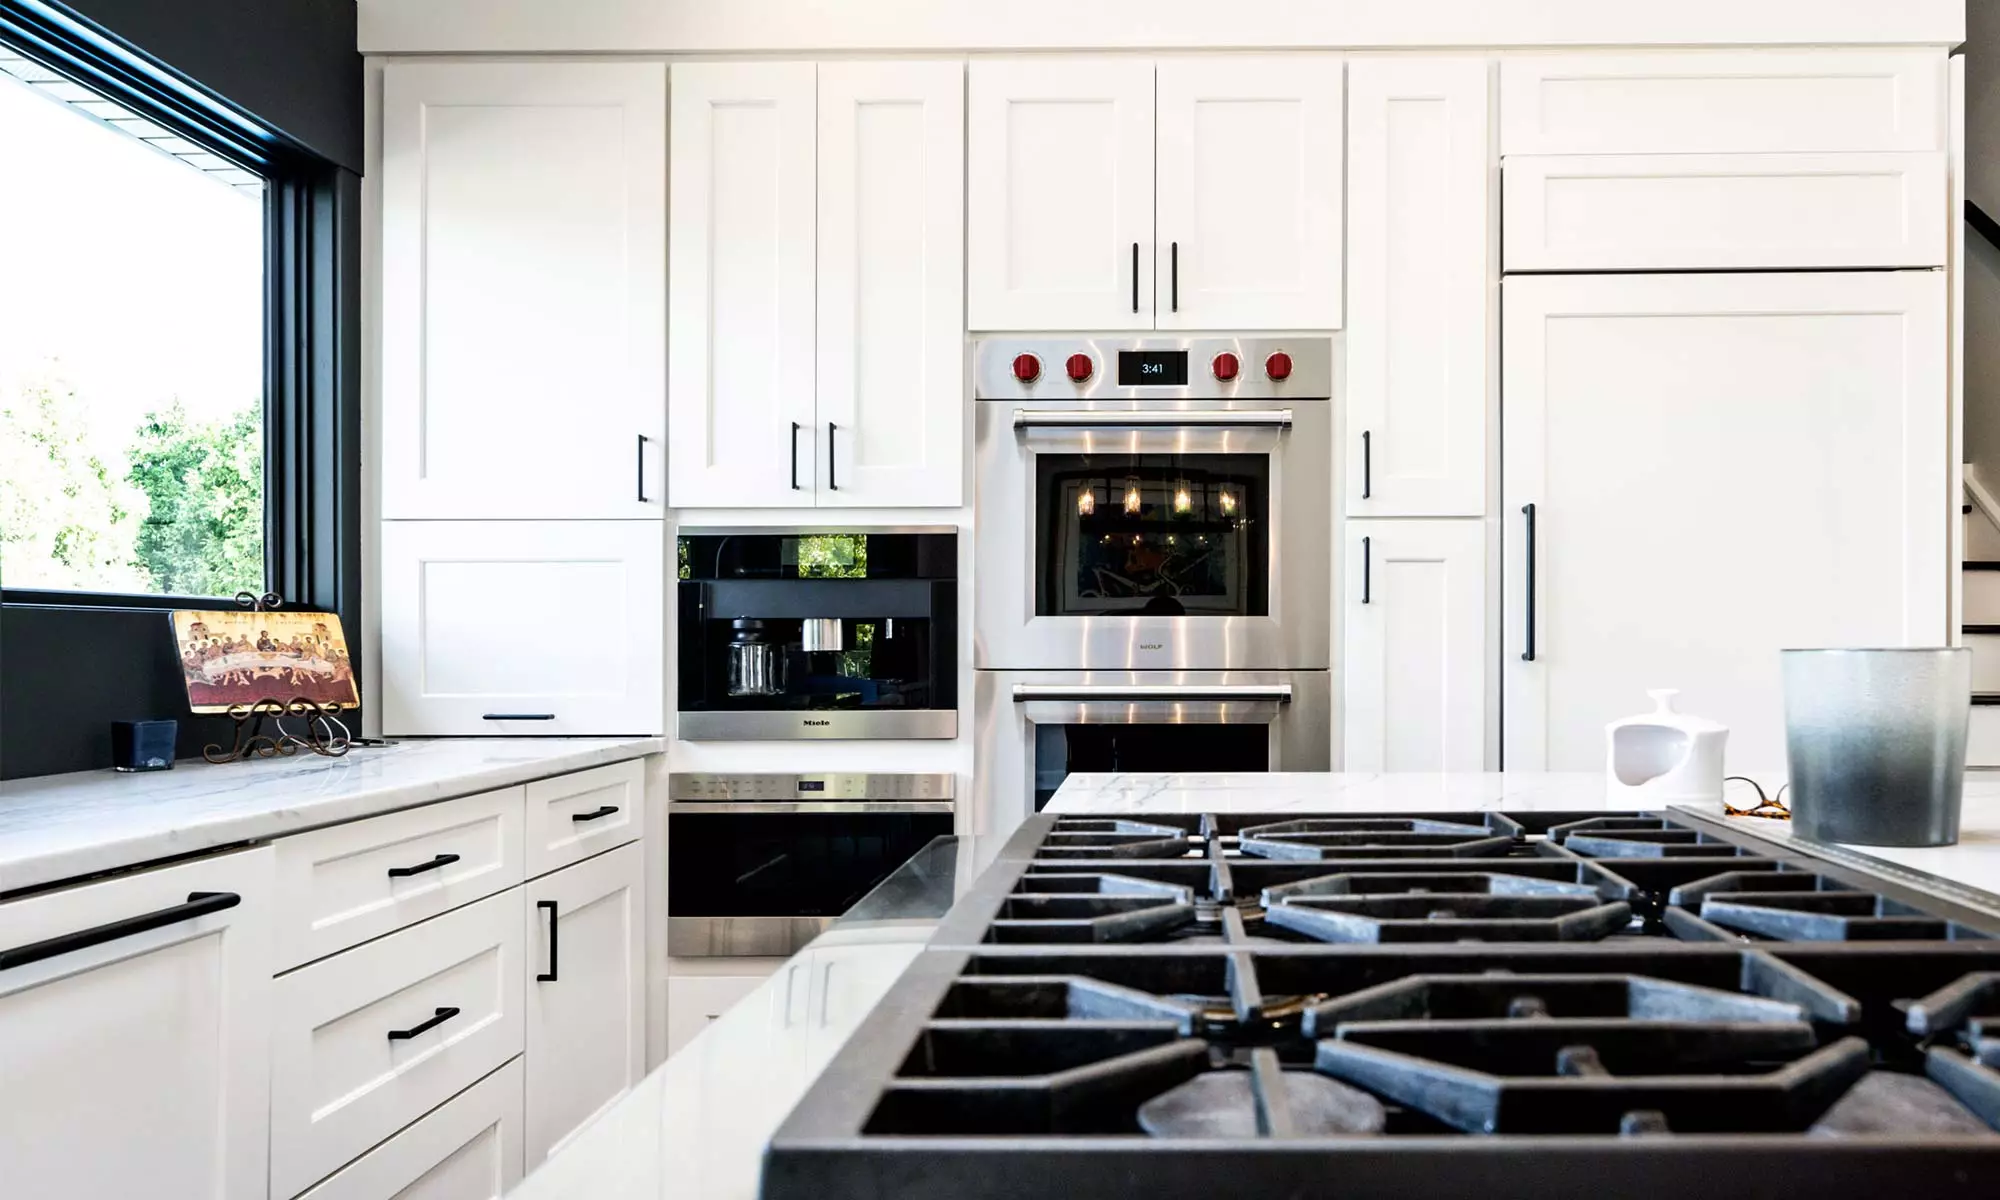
(132, 334)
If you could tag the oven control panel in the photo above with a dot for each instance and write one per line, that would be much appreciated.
(1081, 367)
(703, 787)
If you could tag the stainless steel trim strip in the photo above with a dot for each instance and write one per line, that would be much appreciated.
(785, 807)
(791, 530)
(934, 723)
(824, 786)
(741, 937)
(1041, 418)
(1026, 692)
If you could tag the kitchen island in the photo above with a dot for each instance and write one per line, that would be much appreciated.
(698, 1126)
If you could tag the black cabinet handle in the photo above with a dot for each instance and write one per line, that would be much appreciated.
(1135, 277)
(199, 904)
(549, 976)
(831, 486)
(1528, 651)
(442, 860)
(1367, 570)
(795, 456)
(642, 468)
(517, 716)
(606, 811)
(437, 1018)
(1174, 287)
(1367, 466)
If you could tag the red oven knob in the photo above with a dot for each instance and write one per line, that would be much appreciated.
(1225, 366)
(1027, 368)
(1078, 367)
(1279, 366)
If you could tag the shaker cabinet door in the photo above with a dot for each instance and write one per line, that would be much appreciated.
(1423, 325)
(1248, 195)
(1718, 467)
(586, 1035)
(523, 290)
(1416, 648)
(741, 290)
(891, 342)
(523, 627)
(1059, 193)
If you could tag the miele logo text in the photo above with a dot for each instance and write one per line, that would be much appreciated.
(812, 724)
(1152, 645)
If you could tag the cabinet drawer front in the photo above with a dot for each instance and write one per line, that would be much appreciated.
(339, 1081)
(470, 1149)
(336, 884)
(567, 821)
(1724, 211)
(1672, 102)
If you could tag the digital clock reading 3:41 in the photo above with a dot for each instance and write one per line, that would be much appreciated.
(1154, 368)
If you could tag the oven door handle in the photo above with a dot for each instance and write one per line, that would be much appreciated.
(1258, 418)
(1028, 693)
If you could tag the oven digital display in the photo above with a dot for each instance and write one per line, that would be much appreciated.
(1158, 368)
(812, 785)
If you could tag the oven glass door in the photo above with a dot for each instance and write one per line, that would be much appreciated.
(786, 864)
(1061, 750)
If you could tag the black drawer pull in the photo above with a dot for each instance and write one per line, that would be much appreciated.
(437, 1018)
(517, 716)
(643, 439)
(1528, 632)
(606, 811)
(1367, 468)
(831, 486)
(555, 924)
(199, 904)
(442, 860)
(1367, 570)
(1135, 277)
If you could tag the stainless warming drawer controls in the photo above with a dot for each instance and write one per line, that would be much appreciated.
(850, 791)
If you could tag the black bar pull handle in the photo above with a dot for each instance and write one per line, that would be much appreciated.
(1528, 651)
(517, 716)
(555, 923)
(438, 1017)
(643, 439)
(1174, 255)
(606, 811)
(1367, 570)
(1367, 466)
(1135, 277)
(795, 456)
(831, 486)
(198, 904)
(442, 860)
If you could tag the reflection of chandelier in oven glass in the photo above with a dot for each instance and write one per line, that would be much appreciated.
(1227, 500)
(1086, 501)
(1183, 499)
(1132, 497)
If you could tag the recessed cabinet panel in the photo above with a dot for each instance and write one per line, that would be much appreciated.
(1059, 200)
(891, 344)
(523, 272)
(1422, 327)
(742, 286)
(1248, 195)
(468, 1149)
(523, 627)
(1719, 466)
(1416, 653)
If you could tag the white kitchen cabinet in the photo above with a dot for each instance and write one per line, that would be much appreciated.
(693, 1001)
(1059, 193)
(523, 290)
(1422, 327)
(469, 1148)
(138, 1062)
(574, 816)
(523, 627)
(817, 348)
(1415, 645)
(1247, 196)
(1719, 466)
(741, 288)
(891, 277)
(586, 993)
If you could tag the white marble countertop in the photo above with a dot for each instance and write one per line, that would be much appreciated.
(58, 827)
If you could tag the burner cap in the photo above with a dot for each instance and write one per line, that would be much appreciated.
(1223, 1104)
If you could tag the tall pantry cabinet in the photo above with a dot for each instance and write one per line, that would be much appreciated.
(523, 398)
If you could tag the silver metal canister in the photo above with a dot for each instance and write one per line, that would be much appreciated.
(1876, 743)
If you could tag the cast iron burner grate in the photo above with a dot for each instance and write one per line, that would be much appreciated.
(1444, 907)
(1340, 837)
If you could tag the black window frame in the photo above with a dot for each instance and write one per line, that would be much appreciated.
(312, 428)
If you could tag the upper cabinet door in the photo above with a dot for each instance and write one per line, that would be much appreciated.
(1248, 198)
(891, 283)
(523, 287)
(1720, 466)
(741, 291)
(1060, 193)
(1422, 333)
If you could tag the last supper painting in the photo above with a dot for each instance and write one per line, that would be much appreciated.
(232, 658)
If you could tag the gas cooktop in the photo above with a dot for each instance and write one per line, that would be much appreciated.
(1537, 1005)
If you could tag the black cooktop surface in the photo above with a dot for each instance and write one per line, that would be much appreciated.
(1417, 1005)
